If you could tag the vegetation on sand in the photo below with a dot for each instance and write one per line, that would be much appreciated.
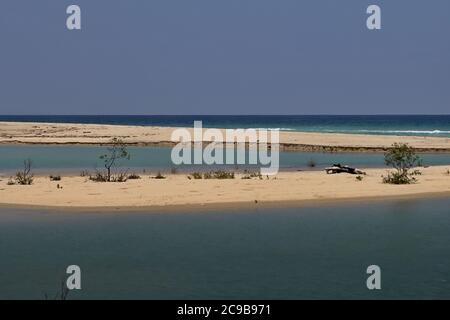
(25, 177)
(402, 158)
(219, 174)
(116, 152)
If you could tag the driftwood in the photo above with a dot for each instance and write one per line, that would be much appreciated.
(338, 168)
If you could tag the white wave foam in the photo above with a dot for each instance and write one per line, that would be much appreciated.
(407, 131)
(280, 129)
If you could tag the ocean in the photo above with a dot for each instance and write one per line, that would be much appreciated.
(421, 125)
(314, 252)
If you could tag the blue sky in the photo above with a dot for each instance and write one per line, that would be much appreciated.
(224, 57)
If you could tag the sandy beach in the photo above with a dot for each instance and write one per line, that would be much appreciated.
(178, 190)
(52, 133)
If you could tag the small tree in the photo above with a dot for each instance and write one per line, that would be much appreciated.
(116, 151)
(25, 177)
(402, 158)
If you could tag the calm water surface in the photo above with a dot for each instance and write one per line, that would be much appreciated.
(56, 159)
(292, 253)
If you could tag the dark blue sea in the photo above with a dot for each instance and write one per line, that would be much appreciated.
(422, 125)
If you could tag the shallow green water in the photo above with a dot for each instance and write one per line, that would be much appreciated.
(291, 253)
(76, 158)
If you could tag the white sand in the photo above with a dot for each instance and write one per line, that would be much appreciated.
(178, 190)
(46, 133)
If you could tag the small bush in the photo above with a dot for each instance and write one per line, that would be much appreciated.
(104, 177)
(398, 178)
(207, 175)
(120, 177)
(250, 175)
(223, 175)
(98, 177)
(197, 175)
(159, 176)
(55, 178)
(359, 178)
(25, 177)
(213, 175)
(134, 176)
(10, 182)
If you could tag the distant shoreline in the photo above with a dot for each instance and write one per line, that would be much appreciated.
(88, 134)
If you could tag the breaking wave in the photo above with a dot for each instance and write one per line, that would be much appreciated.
(431, 132)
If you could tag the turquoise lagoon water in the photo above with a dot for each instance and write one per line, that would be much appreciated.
(76, 158)
(293, 253)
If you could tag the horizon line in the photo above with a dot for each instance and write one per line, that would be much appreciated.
(220, 115)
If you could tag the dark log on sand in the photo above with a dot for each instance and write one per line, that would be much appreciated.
(338, 168)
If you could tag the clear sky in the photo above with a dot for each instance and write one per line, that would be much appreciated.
(224, 57)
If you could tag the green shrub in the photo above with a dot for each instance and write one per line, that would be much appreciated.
(398, 178)
(55, 178)
(402, 158)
